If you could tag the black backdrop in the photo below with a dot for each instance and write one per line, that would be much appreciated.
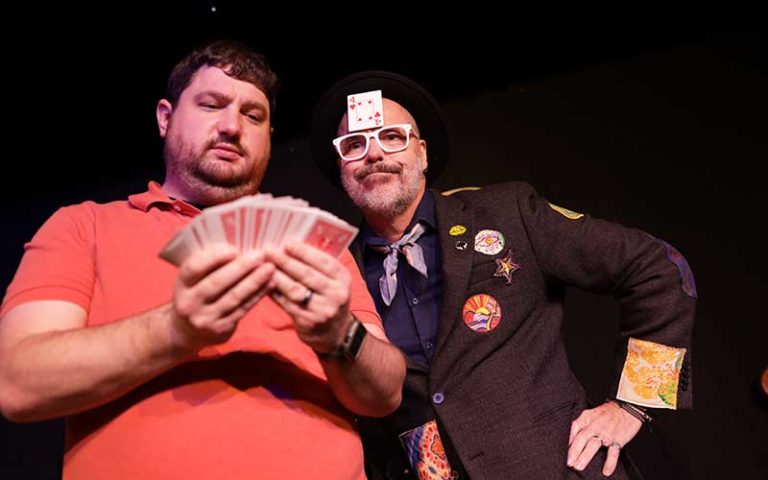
(658, 126)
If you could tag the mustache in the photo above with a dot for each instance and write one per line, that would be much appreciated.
(226, 140)
(378, 168)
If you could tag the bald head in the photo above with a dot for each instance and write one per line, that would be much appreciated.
(386, 184)
(394, 113)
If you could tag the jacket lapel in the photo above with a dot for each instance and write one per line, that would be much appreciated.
(457, 264)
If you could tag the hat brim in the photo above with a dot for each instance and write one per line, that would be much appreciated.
(419, 103)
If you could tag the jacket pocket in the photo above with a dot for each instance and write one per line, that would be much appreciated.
(555, 412)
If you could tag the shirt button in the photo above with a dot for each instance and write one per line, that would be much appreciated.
(415, 301)
(428, 345)
(438, 398)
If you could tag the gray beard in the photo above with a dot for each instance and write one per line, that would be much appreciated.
(387, 201)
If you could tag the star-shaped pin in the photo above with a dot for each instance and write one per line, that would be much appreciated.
(506, 267)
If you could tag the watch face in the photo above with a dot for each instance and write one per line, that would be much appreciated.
(356, 340)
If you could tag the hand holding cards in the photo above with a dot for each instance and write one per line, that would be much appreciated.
(260, 221)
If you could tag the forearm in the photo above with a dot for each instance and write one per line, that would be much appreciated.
(57, 373)
(370, 385)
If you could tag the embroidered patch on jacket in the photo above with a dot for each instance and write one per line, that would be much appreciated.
(457, 230)
(565, 212)
(686, 275)
(651, 374)
(425, 452)
(481, 313)
(489, 242)
(505, 267)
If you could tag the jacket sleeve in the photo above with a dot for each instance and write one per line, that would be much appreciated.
(651, 281)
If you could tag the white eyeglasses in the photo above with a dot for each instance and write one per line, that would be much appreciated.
(391, 138)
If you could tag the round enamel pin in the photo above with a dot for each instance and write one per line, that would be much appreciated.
(457, 230)
(481, 313)
(489, 242)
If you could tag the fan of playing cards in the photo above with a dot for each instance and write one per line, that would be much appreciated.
(260, 221)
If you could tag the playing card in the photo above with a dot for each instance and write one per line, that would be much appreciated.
(260, 221)
(364, 111)
(329, 234)
(197, 229)
(221, 225)
(179, 247)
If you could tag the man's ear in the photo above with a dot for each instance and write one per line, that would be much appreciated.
(423, 155)
(163, 112)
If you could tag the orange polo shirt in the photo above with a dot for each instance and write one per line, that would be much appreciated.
(256, 407)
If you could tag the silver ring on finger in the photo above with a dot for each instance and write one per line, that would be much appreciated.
(617, 445)
(304, 302)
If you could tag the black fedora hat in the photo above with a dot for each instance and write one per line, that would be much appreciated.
(414, 98)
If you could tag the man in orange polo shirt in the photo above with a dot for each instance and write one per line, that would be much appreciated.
(233, 366)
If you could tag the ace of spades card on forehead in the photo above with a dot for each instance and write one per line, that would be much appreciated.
(364, 111)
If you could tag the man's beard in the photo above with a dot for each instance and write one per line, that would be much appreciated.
(386, 199)
(206, 181)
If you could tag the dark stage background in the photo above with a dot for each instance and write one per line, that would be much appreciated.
(661, 126)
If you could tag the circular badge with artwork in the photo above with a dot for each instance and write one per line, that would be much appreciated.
(489, 242)
(481, 313)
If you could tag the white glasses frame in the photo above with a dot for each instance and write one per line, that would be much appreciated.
(375, 135)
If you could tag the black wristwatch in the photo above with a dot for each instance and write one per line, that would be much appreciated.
(353, 340)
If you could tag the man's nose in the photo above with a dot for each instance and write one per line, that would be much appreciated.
(375, 153)
(230, 122)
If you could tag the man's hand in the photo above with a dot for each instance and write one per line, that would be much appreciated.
(215, 288)
(605, 426)
(314, 288)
